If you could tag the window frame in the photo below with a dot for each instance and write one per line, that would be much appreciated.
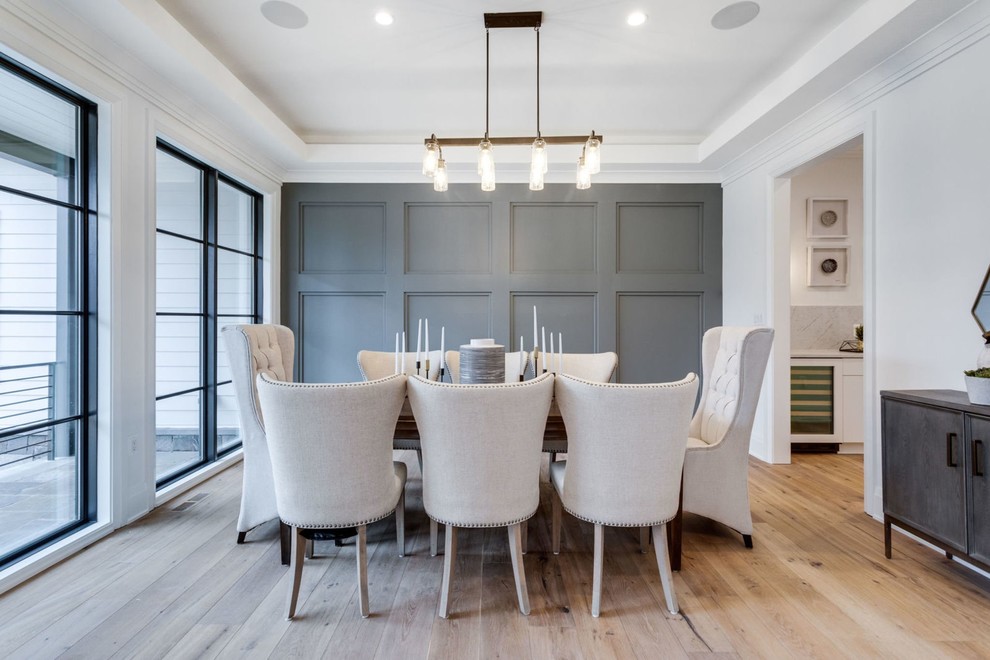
(211, 178)
(85, 206)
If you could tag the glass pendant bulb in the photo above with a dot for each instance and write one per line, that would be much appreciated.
(539, 155)
(488, 181)
(583, 174)
(536, 175)
(430, 158)
(486, 158)
(593, 155)
(440, 177)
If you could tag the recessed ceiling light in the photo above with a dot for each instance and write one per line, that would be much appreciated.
(384, 18)
(636, 18)
(284, 14)
(735, 15)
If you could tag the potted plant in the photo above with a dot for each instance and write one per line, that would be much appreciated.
(978, 386)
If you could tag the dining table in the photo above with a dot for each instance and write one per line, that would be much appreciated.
(554, 442)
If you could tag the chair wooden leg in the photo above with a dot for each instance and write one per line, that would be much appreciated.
(240, 537)
(524, 533)
(362, 569)
(298, 550)
(596, 580)
(555, 523)
(400, 523)
(663, 563)
(419, 457)
(748, 540)
(285, 542)
(434, 535)
(644, 539)
(449, 552)
(310, 548)
(518, 568)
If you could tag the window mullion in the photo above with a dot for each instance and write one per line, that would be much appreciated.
(210, 316)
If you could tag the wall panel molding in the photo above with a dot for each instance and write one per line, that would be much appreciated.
(477, 262)
(549, 237)
(341, 238)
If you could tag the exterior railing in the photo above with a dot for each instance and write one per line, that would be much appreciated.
(27, 399)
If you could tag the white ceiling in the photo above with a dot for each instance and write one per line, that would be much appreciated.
(344, 99)
(344, 78)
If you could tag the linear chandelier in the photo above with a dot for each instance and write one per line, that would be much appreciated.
(435, 167)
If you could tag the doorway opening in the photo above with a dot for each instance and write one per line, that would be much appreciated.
(820, 305)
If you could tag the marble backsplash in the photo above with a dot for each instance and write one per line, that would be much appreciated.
(823, 327)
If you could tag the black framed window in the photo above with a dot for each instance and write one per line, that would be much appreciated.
(48, 227)
(208, 274)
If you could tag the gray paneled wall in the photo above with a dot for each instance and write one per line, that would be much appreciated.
(632, 268)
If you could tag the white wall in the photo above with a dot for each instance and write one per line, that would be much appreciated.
(133, 112)
(836, 178)
(923, 117)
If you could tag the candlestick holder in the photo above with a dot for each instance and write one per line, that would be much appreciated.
(427, 364)
(418, 365)
(536, 361)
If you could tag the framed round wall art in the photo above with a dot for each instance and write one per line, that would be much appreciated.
(828, 218)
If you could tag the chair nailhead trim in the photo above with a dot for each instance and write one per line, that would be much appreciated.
(617, 524)
(353, 524)
(320, 386)
(634, 386)
(477, 526)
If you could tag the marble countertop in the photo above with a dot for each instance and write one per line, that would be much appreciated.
(821, 353)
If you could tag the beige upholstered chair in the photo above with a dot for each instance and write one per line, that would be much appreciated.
(331, 449)
(511, 376)
(716, 468)
(594, 367)
(623, 468)
(511, 365)
(253, 350)
(379, 364)
(481, 449)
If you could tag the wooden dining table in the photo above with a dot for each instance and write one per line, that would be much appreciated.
(554, 442)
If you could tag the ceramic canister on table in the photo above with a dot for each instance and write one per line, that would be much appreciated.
(482, 361)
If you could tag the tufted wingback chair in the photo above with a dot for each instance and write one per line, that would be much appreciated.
(716, 467)
(252, 350)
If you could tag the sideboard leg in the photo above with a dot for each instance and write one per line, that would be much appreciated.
(886, 536)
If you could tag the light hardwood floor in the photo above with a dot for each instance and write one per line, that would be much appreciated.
(816, 585)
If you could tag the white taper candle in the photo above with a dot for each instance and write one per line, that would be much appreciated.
(405, 348)
(534, 327)
(550, 354)
(522, 357)
(396, 353)
(560, 353)
(419, 332)
(443, 341)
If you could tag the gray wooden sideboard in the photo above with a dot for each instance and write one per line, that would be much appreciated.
(935, 482)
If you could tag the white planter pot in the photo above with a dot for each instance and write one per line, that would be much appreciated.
(978, 390)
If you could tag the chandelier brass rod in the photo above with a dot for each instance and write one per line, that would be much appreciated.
(487, 76)
(510, 141)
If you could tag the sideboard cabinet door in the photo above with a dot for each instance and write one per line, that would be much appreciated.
(979, 536)
(924, 459)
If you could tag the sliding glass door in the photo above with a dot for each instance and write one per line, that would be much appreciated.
(47, 311)
(208, 267)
